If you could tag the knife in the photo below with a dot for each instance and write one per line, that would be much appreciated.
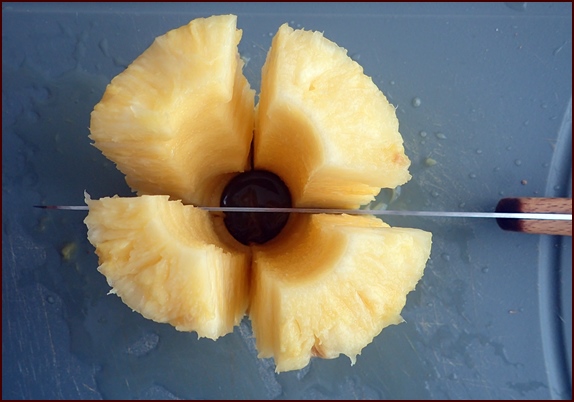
(527, 214)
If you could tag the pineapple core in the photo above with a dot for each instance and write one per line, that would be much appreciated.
(255, 188)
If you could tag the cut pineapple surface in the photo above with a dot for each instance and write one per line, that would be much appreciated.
(324, 126)
(179, 123)
(330, 283)
(166, 261)
(184, 95)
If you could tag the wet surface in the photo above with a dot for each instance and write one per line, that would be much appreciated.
(488, 84)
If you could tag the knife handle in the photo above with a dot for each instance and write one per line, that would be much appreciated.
(534, 205)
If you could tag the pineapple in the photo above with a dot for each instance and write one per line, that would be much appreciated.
(329, 283)
(179, 123)
(324, 126)
(185, 93)
(167, 261)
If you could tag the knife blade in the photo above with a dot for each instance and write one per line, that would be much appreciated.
(551, 216)
(436, 214)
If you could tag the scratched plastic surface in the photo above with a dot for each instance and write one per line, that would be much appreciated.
(483, 95)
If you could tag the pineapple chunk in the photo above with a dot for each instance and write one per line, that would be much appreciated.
(167, 261)
(323, 126)
(329, 284)
(184, 97)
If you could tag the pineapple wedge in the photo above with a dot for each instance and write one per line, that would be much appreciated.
(185, 94)
(168, 262)
(329, 284)
(323, 126)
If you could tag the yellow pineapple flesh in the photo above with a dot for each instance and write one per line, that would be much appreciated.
(329, 284)
(167, 261)
(324, 126)
(185, 95)
(179, 121)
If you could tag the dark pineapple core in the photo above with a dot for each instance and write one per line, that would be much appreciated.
(259, 189)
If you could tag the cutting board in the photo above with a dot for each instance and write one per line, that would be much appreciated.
(483, 96)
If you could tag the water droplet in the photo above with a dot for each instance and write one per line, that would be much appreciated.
(484, 270)
(440, 136)
(356, 56)
(524, 182)
(416, 102)
(50, 299)
(501, 192)
(270, 34)
(430, 162)
(543, 106)
(445, 256)
(434, 193)
(479, 151)
(526, 123)
(496, 168)
(472, 176)
(518, 162)
(429, 304)
(392, 82)
(292, 22)
(423, 133)
(298, 25)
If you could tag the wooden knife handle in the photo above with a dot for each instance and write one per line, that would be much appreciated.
(533, 205)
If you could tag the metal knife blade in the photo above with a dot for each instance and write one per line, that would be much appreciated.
(436, 214)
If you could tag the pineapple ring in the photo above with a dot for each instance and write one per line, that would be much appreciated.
(180, 121)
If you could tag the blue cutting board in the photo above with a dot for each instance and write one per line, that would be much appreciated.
(482, 89)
